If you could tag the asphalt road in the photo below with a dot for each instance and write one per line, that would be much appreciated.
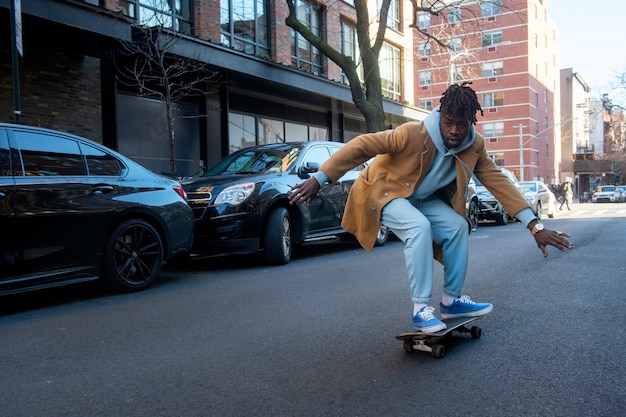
(228, 336)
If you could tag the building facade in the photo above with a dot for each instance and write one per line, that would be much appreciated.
(509, 50)
(273, 85)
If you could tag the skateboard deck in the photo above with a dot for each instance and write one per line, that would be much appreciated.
(429, 342)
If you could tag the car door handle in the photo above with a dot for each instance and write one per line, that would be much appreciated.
(102, 189)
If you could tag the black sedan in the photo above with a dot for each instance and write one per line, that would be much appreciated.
(72, 210)
(241, 205)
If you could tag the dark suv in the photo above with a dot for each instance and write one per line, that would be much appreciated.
(241, 205)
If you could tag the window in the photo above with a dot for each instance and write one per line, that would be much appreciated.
(457, 74)
(423, 48)
(454, 15)
(423, 21)
(493, 130)
(389, 62)
(493, 99)
(491, 8)
(426, 104)
(492, 38)
(100, 163)
(243, 26)
(248, 130)
(305, 56)
(171, 14)
(456, 44)
(425, 78)
(394, 19)
(44, 155)
(497, 157)
(492, 69)
(350, 48)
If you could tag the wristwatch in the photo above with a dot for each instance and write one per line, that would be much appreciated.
(538, 227)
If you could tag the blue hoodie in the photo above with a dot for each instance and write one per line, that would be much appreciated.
(443, 170)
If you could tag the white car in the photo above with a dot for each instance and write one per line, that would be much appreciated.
(607, 193)
(541, 199)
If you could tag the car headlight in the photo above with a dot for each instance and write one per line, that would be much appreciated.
(235, 194)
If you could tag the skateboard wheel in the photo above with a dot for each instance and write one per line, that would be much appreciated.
(476, 332)
(438, 351)
(408, 346)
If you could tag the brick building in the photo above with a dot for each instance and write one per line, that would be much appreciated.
(508, 49)
(274, 86)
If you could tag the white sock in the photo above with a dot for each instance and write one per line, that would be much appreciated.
(447, 299)
(417, 307)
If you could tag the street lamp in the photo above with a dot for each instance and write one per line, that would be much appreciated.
(453, 59)
(522, 143)
(521, 152)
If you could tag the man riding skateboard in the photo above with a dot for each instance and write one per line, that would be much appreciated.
(416, 186)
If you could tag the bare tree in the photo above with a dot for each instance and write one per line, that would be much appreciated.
(367, 93)
(367, 98)
(149, 65)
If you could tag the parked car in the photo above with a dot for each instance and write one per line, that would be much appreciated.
(241, 204)
(471, 204)
(606, 193)
(621, 189)
(489, 208)
(541, 199)
(72, 210)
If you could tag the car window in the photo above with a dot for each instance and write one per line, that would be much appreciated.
(357, 168)
(317, 154)
(528, 187)
(5, 166)
(256, 161)
(100, 163)
(46, 155)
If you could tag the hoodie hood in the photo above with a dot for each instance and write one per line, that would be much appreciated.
(432, 122)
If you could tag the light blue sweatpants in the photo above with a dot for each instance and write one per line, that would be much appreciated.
(419, 224)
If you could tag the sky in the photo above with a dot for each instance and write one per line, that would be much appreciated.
(592, 35)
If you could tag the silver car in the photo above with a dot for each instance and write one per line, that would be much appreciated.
(541, 199)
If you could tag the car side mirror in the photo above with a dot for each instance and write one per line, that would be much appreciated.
(308, 168)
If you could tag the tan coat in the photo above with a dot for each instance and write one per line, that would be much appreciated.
(403, 158)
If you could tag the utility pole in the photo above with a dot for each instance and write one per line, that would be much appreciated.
(521, 152)
(16, 47)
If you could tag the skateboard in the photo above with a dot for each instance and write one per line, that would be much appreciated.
(431, 342)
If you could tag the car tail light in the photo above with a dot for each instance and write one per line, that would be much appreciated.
(179, 190)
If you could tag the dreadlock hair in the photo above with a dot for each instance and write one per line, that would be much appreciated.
(459, 99)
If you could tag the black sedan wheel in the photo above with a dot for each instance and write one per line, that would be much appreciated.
(277, 240)
(382, 235)
(133, 256)
(472, 214)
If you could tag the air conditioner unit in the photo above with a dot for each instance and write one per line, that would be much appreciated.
(492, 49)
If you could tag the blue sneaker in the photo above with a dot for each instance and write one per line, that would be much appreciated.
(464, 307)
(426, 322)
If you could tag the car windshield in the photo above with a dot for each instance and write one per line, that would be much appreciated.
(529, 187)
(257, 161)
(606, 188)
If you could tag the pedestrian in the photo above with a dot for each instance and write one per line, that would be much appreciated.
(416, 186)
(566, 193)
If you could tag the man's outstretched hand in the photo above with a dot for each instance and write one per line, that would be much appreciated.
(304, 192)
(553, 238)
